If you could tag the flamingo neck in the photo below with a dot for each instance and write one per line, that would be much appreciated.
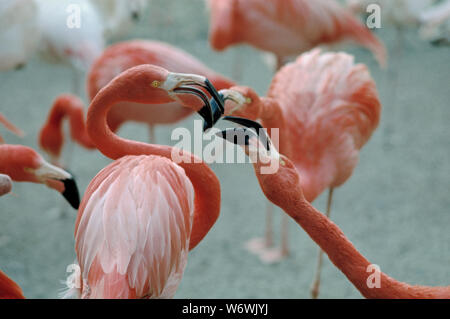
(272, 117)
(348, 259)
(71, 107)
(206, 185)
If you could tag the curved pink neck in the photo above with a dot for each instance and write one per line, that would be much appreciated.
(72, 107)
(205, 182)
(348, 259)
(272, 116)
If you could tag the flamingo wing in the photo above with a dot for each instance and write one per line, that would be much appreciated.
(133, 229)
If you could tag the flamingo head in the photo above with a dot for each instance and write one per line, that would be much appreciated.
(277, 175)
(29, 166)
(150, 84)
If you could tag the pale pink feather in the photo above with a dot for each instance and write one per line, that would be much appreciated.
(133, 230)
(332, 107)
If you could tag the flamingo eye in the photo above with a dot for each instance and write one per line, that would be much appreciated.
(156, 84)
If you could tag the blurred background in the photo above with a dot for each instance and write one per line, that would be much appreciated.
(395, 207)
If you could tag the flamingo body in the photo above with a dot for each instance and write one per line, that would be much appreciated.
(133, 229)
(332, 108)
(287, 28)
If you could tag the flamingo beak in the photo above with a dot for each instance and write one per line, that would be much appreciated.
(241, 136)
(235, 97)
(212, 109)
(52, 176)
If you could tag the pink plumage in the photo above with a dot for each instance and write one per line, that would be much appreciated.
(287, 27)
(133, 229)
(331, 108)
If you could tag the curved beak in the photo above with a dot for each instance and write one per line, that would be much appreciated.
(53, 176)
(194, 84)
(241, 136)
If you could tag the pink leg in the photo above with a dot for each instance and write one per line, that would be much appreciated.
(259, 245)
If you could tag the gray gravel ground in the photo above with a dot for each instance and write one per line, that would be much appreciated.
(395, 208)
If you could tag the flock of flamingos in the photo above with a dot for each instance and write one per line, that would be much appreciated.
(142, 214)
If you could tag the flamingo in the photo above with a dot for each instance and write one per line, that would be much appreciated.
(19, 32)
(326, 108)
(287, 28)
(75, 45)
(284, 188)
(142, 213)
(23, 164)
(8, 288)
(114, 60)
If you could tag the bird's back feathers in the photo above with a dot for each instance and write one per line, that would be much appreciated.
(133, 229)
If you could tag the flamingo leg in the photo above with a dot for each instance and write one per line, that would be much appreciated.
(259, 245)
(274, 255)
(151, 134)
(285, 235)
(280, 63)
(316, 283)
(237, 65)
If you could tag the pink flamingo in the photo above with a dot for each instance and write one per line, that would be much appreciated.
(326, 108)
(284, 188)
(133, 230)
(114, 60)
(287, 28)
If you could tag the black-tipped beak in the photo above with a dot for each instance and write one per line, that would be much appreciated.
(238, 136)
(71, 193)
(213, 109)
(211, 112)
(260, 131)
